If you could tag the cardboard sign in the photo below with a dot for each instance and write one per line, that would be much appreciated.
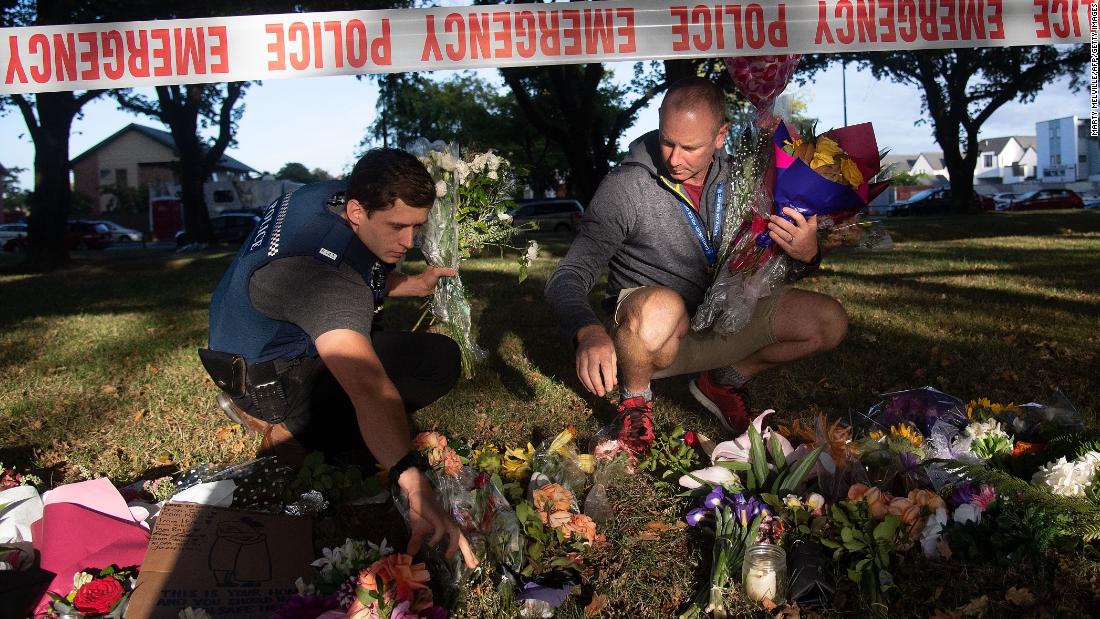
(231, 563)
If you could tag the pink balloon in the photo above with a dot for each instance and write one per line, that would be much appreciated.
(762, 78)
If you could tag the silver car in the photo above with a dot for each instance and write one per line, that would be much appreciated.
(121, 234)
(8, 234)
(558, 215)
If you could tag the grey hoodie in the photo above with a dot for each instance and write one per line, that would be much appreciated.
(636, 227)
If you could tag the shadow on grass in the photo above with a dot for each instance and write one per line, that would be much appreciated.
(984, 225)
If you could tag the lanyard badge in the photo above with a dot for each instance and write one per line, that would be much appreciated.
(708, 244)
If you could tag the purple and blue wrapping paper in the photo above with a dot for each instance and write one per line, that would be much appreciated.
(806, 191)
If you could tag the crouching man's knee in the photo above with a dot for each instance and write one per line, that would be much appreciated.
(832, 324)
(654, 315)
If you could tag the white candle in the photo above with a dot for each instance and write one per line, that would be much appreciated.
(760, 584)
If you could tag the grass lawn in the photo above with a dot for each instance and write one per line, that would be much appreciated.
(100, 376)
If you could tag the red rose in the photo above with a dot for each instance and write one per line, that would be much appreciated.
(98, 596)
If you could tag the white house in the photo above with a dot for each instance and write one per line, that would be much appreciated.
(930, 164)
(1065, 151)
(1006, 160)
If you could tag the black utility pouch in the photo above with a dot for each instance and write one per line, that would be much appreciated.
(227, 370)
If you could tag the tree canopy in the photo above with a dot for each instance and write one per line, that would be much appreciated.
(294, 171)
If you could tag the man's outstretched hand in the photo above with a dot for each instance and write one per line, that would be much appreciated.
(427, 519)
(597, 365)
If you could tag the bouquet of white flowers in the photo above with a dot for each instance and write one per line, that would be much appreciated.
(470, 213)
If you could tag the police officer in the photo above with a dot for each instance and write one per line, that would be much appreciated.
(295, 343)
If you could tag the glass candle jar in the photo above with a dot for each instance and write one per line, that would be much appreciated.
(764, 572)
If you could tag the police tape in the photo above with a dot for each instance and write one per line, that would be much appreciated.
(150, 53)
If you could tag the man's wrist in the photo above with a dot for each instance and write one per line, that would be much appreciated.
(412, 461)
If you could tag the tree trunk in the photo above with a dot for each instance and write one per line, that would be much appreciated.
(52, 196)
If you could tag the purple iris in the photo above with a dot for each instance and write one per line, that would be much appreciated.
(696, 516)
(747, 509)
(715, 498)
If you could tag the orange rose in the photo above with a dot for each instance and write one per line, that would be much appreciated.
(429, 440)
(856, 491)
(452, 464)
(553, 498)
(557, 519)
(581, 525)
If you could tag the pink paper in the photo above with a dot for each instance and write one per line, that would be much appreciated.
(96, 494)
(72, 537)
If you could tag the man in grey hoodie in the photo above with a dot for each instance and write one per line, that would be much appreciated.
(653, 222)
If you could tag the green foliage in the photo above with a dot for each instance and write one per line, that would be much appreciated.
(294, 171)
(865, 548)
(783, 477)
(1009, 533)
(670, 458)
(547, 547)
(1078, 518)
(126, 199)
(336, 483)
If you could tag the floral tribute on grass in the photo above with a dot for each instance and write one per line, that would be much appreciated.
(921, 473)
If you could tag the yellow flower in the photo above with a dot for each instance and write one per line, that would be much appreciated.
(562, 440)
(517, 462)
(825, 152)
(586, 463)
(908, 432)
(851, 172)
(875, 435)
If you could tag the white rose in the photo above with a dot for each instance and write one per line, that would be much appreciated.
(462, 170)
(480, 161)
(449, 163)
(440, 189)
(494, 162)
(967, 512)
(492, 174)
(532, 252)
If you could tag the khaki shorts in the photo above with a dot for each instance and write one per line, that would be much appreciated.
(706, 350)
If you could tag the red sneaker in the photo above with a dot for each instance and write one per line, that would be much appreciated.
(729, 404)
(635, 421)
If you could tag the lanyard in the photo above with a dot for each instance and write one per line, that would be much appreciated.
(708, 245)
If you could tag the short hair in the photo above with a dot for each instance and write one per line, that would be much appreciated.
(696, 93)
(382, 175)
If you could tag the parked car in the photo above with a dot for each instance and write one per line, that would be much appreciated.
(1047, 199)
(232, 228)
(122, 234)
(8, 235)
(80, 235)
(936, 200)
(1003, 199)
(1090, 199)
(561, 215)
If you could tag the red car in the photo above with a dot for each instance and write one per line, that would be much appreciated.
(1047, 199)
(80, 235)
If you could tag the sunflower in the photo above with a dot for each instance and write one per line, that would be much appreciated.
(907, 432)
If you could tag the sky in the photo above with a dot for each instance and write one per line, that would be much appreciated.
(320, 121)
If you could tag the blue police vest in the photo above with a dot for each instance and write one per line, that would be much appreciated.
(297, 224)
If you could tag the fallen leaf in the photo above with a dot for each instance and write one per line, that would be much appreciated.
(164, 458)
(138, 415)
(108, 389)
(648, 536)
(1020, 597)
(658, 526)
(789, 611)
(975, 607)
(768, 604)
(598, 603)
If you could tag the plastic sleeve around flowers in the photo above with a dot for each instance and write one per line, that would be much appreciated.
(449, 304)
